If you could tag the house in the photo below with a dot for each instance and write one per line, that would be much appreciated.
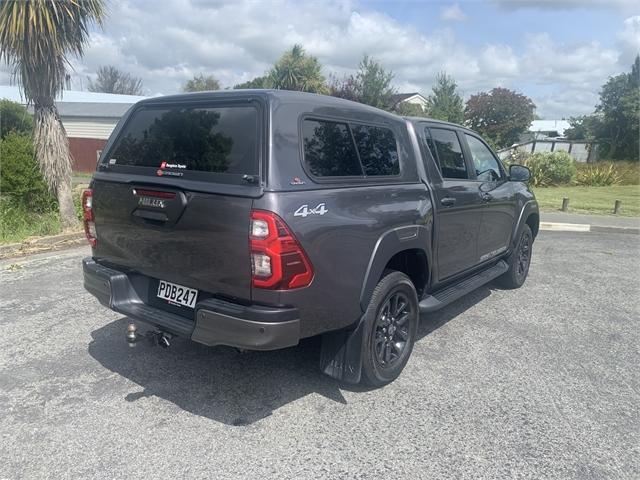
(88, 118)
(414, 98)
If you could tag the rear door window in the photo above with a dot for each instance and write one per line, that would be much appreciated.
(340, 149)
(449, 153)
(186, 139)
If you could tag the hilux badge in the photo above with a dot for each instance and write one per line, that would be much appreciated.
(151, 202)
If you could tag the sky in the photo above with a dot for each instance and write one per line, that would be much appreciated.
(558, 52)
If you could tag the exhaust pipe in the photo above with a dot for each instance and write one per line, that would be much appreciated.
(163, 339)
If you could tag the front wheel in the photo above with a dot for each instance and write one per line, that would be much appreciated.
(391, 324)
(519, 261)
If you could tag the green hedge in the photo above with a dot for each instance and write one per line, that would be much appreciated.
(549, 168)
(20, 178)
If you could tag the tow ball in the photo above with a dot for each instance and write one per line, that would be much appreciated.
(156, 337)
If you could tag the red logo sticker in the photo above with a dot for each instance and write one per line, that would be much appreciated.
(159, 173)
(163, 164)
(296, 181)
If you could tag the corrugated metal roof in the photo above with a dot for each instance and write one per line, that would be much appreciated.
(12, 92)
(103, 110)
(549, 126)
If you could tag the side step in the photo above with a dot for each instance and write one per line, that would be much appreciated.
(442, 298)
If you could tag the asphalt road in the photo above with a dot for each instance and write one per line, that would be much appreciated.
(542, 382)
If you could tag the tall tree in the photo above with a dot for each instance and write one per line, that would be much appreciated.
(500, 115)
(584, 127)
(407, 109)
(36, 39)
(111, 80)
(370, 85)
(373, 84)
(619, 112)
(445, 103)
(296, 70)
(615, 124)
(258, 82)
(343, 87)
(201, 83)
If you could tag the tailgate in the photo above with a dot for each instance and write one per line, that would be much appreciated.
(198, 240)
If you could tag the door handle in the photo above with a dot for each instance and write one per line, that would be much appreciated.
(155, 218)
(487, 197)
(448, 202)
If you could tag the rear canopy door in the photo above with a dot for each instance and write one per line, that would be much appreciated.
(173, 194)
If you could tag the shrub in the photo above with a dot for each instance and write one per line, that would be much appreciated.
(77, 201)
(20, 177)
(14, 118)
(595, 175)
(628, 173)
(555, 168)
(549, 168)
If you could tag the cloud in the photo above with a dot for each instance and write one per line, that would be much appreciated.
(629, 39)
(453, 12)
(500, 61)
(584, 65)
(239, 40)
(564, 4)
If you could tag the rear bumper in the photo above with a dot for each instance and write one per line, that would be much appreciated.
(215, 321)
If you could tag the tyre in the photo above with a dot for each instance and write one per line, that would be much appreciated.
(519, 261)
(390, 328)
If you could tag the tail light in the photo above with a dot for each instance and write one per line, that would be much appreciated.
(278, 262)
(87, 217)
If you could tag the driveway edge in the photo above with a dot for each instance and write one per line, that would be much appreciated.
(585, 227)
(42, 244)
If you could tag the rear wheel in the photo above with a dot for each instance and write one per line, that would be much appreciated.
(391, 323)
(519, 261)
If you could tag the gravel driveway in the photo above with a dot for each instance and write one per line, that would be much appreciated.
(541, 382)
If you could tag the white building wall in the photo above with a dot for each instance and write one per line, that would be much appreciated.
(417, 101)
(89, 127)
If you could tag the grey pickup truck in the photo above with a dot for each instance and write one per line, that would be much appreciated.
(257, 218)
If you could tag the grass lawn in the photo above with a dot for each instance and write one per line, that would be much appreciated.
(594, 200)
(17, 224)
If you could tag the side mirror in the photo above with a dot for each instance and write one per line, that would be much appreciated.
(519, 173)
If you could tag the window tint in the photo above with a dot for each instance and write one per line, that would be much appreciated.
(449, 152)
(329, 150)
(378, 150)
(221, 139)
(485, 164)
(432, 149)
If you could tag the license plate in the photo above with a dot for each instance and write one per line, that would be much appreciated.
(177, 294)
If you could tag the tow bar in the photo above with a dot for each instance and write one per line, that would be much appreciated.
(155, 337)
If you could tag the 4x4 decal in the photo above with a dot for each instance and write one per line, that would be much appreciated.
(304, 210)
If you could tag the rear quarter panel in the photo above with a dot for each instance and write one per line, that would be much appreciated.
(340, 245)
(341, 242)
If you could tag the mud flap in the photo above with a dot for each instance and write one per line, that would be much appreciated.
(341, 354)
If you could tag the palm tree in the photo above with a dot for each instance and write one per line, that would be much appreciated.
(36, 39)
(296, 70)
